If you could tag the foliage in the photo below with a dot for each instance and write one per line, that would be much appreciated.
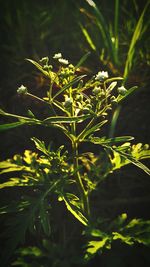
(112, 46)
(79, 108)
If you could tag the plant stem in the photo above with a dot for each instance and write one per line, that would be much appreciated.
(80, 185)
(82, 191)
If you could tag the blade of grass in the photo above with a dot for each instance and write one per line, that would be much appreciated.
(136, 36)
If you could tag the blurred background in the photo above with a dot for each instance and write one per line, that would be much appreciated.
(116, 33)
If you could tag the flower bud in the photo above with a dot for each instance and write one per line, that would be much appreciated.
(68, 103)
(22, 90)
(101, 76)
(113, 100)
(63, 61)
(122, 90)
(57, 56)
(96, 90)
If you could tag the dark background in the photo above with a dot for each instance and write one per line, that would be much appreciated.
(34, 29)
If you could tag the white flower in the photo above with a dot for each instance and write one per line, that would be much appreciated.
(122, 90)
(57, 56)
(101, 76)
(22, 90)
(91, 3)
(63, 61)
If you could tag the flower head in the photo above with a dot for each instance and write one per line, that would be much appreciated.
(63, 61)
(122, 90)
(101, 76)
(22, 90)
(57, 56)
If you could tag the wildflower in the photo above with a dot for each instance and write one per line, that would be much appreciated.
(101, 76)
(122, 90)
(91, 3)
(63, 61)
(57, 56)
(22, 90)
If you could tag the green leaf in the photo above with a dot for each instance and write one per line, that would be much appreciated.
(8, 166)
(87, 37)
(75, 80)
(88, 131)
(136, 36)
(8, 126)
(75, 211)
(40, 145)
(111, 86)
(22, 119)
(120, 98)
(14, 182)
(103, 140)
(94, 246)
(2, 112)
(63, 119)
(125, 239)
(14, 207)
(130, 159)
(16, 229)
(82, 60)
(44, 218)
(50, 74)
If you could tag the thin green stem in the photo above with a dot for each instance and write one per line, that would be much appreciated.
(37, 98)
(82, 191)
(80, 185)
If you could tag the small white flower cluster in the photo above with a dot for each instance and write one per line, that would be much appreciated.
(122, 90)
(91, 3)
(101, 76)
(60, 59)
(22, 90)
(57, 56)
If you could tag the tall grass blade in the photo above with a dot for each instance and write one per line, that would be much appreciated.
(87, 37)
(114, 121)
(136, 36)
(83, 59)
(116, 27)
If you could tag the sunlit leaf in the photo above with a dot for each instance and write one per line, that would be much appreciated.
(75, 211)
(82, 60)
(8, 126)
(63, 119)
(94, 246)
(70, 84)
(44, 218)
(50, 74)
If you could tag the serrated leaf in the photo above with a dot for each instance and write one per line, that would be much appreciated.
(75, 211)
(40, 145)
(103, 140)
(130, 159)
(14, 182)
(94, 246)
